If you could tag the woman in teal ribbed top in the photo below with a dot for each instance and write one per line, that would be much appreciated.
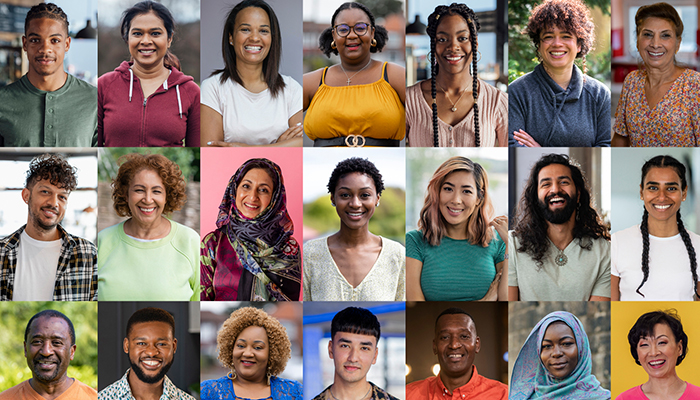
(148, 257)
(456, 256)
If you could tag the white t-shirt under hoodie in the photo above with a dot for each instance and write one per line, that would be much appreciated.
(252, 118)
(669, 279)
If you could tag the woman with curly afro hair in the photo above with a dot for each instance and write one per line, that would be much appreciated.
(256, 348)
(454, 108)
(558, 105)
(353, 263)
(359, 101)
(148, 256)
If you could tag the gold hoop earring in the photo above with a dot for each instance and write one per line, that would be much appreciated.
(232, 375)
(333, 45)
(374, 42)
(479, 56)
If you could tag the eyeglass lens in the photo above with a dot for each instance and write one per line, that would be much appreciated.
(344, 30)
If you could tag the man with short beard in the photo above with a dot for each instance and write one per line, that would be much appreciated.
(151, 345)
(49, 346)
(559, 247)
(47, 106)
(41, 261)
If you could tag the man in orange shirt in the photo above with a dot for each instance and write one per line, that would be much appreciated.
(49, 346)
(456, 344)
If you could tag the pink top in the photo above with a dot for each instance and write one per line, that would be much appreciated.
(692, 392)
(493, 121)
(675, 121)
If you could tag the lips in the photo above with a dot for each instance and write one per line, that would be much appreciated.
(657, 363)
(455, 357)
(253, 49)
(45, 60)
(50, 212)
(351, 367)
(46, 363)
(352, 46)
(454, 59)
(147, 52)
(454, 211)
(151, 363)
(355, 215)
(147, 210)
(248, 363)
(654, 54)
(661, 207)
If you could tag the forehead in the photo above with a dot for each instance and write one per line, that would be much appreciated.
(662, 174)
(461, 178)
(354, 338)
(555, 29)
(351, 16)
(657, 24)
(147, 176)
(558, 329)
(258, 175)
(452, 22)
(554, 171)
(54, 325)
(149, 20)
(356, 180)
(253, 332)
(157, 329)
(46, 26)
(455, 322)
(46, 184)
(250, 15)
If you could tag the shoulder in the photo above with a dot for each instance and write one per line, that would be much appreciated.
(84, 245)
(185, 234)
(108, 78)
(288, 386)
(415, 235)
(81, 86)
(212, 237)
(632, 232)
(595, 87)
(213, 82)
(634, 77)
(524, 82)
(633, 393)
(315, 245)
(692, 389)
(13, 88)
(290, 82)
(14, 392)
(381, 394)
(314, 74)
(391, 245)
(418, 389)
(108, 233)
(492, 384)
(87, 390)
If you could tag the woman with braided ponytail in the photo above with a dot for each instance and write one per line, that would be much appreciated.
(657, 260)
(557, 104)
(454, 108)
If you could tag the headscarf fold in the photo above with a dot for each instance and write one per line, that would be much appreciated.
(531, 380)
(264, 245)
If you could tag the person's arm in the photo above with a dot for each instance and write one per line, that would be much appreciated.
(212, 125)
(516, 117)
(397, 80)
(500, 224)
(603, 127)
(413, 270)
(599, 298)
(513, 293)
(620, 136)
(193, 135)
(502, 268)
(292, 137)
(620, 141)
(614, 288)
(312, 81)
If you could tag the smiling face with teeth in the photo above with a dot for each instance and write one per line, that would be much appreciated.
(559, 352)
(659, 352)
(456, 344)
(151, 348)
(146, 198)
(453, 46)
(46, 205)
(254, 193)
(558, 49)
(148, 41)
(355, 198)
(663, 195)
(657, 42)
(251, 352)
(557, 194)
(48, 349)
(458, 201)
(252, 36)
(353, 46)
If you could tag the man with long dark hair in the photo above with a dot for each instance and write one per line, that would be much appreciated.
(559, 247)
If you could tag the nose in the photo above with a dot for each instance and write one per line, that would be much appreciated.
(352, 355)
(352, 32)
(557, 351)
(46, 349)
(455, 343)
(355, 201)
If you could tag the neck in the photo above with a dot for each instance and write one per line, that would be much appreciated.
(51, 389)
(659, 76)
(157, 230)
(156, 72)
(48, 83)
(343, 390)
(250, 74)
(141, 390)
(456, 232)
(355, 65)
(38, 233)
(665, 385)
(562, 234)
(244, 383)
(562, 76)
(454, 382)
(353, 237)
(455, 83)
(666, 228)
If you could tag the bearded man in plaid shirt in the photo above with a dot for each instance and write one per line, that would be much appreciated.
(41, 261)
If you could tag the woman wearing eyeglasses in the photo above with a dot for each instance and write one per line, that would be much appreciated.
(360, 101)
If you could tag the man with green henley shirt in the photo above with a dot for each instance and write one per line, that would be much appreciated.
(47, 106)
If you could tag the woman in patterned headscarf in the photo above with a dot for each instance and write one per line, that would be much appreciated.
(555, 363)
(252, 254)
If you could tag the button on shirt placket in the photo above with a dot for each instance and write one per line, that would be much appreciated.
(450, 135)
(49, 120)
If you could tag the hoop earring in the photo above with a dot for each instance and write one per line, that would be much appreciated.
(479, 56)
(232, 375)
(333, 45)
(374, 42)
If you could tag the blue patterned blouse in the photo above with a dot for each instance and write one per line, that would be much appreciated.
(222, 389)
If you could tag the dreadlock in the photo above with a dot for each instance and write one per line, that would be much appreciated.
(473, 22)
(679, 168)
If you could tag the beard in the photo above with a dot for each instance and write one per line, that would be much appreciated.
(38, 223)
(43, 376)
(559, 216)
(150, 379)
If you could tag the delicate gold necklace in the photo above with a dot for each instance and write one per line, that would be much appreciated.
(331, 390)
(447, 96)
(353, 75)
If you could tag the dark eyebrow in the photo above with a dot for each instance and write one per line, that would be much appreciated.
(347, 188)
(458, 32)
(659, 184)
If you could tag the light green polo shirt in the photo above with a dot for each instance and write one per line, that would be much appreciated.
(66, 117)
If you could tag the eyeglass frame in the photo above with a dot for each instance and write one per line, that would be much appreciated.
(352, 29)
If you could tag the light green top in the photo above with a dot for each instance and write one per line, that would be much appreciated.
(162, 270)
(66, 117)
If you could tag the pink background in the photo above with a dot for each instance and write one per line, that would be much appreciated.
(219, 164)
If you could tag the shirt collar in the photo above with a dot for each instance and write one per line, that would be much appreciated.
(124, 390)
(463, 391)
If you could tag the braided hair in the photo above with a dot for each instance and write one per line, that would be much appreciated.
(679, 168)
(433, 21)
(45, 10)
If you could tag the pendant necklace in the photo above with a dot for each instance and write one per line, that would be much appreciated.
(561, 259)
(454, 105)
(353, 75)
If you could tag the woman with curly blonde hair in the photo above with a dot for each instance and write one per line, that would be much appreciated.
(455, 225)
(148, 248)
(256, 348)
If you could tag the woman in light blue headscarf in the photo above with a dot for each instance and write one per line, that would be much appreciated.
(555, 363)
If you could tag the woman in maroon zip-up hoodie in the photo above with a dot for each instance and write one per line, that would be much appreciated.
(147, 101)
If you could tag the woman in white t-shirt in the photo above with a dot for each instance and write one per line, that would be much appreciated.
(248, 103)
(657, 260)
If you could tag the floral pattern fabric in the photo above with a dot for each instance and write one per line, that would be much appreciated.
(674, 121)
